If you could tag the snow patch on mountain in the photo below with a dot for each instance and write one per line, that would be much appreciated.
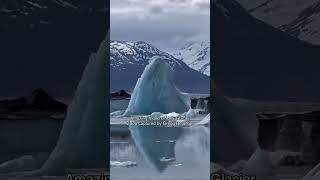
(298, 18)
(196, 55)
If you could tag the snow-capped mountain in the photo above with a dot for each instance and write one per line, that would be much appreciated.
(306, 25)
(128, 60)
(49, 35)
(196, 55)
(299, 18)
(35, 13)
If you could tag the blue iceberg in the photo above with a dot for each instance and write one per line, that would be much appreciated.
(155, 91)
(155, 94)
(82, 141)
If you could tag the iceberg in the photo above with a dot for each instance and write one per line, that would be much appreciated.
(155, 91)
(235, 131)
(313, 174)
(82, 140)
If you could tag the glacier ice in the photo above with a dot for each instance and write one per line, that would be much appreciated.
(190, 114)
(155, 91)
(233, 127)
(313, 174)
(205, 120)
(24, 163)
(259, 164)
(200, 104)
(82, 141)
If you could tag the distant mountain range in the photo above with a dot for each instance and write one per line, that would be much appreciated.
(196, 55)
(128, 60)
(299, 18)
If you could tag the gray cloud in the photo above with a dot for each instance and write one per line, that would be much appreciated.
(204, 5)
(178, 1)
(167, 24)
(157, 9)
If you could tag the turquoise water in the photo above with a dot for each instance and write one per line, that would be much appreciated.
(116, 105)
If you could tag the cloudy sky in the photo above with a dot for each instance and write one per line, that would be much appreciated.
(167, 24)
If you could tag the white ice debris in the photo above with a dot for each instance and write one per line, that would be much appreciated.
(122, 164)
(156, 114)
(205, 121)
(170, 115)
(117, 113)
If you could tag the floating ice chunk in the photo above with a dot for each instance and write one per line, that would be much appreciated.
(156, 114)
(155, 91)
(164, 159)
(122, 164)
(117, 113)
(170, 115)
(205, 121)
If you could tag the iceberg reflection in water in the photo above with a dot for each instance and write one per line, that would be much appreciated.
(163, 153)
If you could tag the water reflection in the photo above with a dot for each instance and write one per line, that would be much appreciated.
(156, 144)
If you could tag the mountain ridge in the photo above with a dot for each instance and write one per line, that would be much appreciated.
(196, 55)
(128, 60)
